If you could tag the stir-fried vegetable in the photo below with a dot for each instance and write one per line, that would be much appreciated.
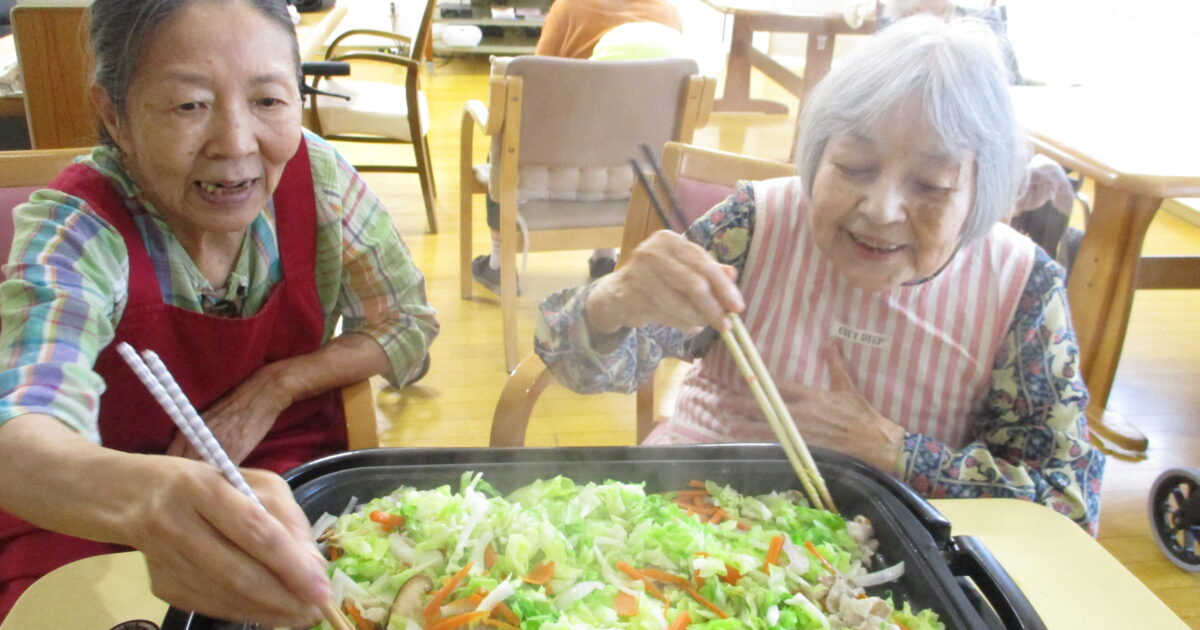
(555, 555)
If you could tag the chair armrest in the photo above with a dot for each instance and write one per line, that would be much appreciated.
(409, 64)
(520, 393)
(358, 406)
(402, 40)
(475, 111)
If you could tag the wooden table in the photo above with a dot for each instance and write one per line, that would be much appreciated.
(777, 16)
(1139, 148)
(1070, 579)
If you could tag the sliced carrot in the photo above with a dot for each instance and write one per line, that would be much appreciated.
(704, 601)
(691, 493)
(697, 578)
(473, 598)
(540, 574)
(813, 549)
(489, 557)
(744, 526)
(457, 621)
(773, 552)
(334, 553)
(732, 575)
(508, 614)
(663, 576)
(626, 605)
(500, 624)
(696, 483)
(387, 520)
(718, 515)
(431, 611)
(635, 574)
(359, 622)
(681, 621)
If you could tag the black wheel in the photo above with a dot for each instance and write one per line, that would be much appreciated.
(1175, 516)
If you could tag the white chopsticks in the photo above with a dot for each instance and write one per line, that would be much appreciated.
(749, 362)
(155, 376)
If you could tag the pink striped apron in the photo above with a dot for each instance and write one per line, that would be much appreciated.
(921, 355)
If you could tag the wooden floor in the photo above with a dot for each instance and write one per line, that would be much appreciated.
(1157, 387)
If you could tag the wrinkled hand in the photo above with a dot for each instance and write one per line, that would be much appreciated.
(838, 418)
(210, 549)
(240, 419)
(668, 280)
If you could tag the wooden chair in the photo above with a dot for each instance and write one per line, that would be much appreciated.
(22, 172)
(563, 132)
(381, 111)
(701, 179)
(51, 42)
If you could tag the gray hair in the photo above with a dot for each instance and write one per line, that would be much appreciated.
(956, 72)
(121, 28)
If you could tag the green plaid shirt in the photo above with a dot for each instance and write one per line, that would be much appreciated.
(68, 277)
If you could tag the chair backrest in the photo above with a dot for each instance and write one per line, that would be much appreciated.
(702, 178)
(21, 173)
(56, 68)
(578, 122)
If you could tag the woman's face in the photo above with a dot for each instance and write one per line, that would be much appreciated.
(888, 204)
(211, 118)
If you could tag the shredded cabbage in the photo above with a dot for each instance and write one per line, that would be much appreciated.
(695, 542)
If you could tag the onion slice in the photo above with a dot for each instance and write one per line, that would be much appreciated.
(882, 576)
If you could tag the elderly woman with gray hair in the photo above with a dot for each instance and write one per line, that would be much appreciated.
(210, 228)
(903, 322)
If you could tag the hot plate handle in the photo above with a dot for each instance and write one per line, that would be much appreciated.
(971, 558)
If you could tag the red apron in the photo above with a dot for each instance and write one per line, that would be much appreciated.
(208, 355)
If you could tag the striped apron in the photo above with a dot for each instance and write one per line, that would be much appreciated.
(921, 355)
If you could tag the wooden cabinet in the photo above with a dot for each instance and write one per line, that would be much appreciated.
(509, 28)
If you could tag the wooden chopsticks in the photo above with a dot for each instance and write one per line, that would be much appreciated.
(746, 356)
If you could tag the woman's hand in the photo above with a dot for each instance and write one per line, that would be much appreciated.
(211, 549)
(839, 419)
(668, 280)
(240, 419)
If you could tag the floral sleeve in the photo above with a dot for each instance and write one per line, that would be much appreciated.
(1033, 440)
(562, 339)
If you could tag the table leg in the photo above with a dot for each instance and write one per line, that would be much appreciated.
(736, 97)
(1100, 292)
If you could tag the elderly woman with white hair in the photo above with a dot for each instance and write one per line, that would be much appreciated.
(903, 321)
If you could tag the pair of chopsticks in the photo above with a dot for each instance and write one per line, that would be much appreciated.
(746, 356)
(154, 375)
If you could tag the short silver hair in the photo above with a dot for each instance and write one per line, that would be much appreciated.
(956, 71)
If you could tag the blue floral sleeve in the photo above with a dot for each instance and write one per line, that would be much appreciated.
(1033, 439)
(562, 341)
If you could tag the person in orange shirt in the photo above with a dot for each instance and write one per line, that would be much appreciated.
(573, 27)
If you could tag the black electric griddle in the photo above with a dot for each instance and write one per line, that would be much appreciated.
(955, 576)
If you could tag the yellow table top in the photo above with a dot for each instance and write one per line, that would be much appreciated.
(1070, 579)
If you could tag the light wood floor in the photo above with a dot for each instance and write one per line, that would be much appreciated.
(1156, 388)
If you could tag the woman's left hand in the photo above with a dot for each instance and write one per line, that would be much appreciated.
(240, 419)
(839, 418)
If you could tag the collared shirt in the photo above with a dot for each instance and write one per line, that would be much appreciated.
(1029, 437)
(68, 277)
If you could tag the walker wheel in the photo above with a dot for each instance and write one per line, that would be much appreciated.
(1175, 516)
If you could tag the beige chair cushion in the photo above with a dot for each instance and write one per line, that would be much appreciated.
(376, 109)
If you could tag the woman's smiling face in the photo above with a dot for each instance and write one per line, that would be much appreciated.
(211, 118)
(889, 203)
